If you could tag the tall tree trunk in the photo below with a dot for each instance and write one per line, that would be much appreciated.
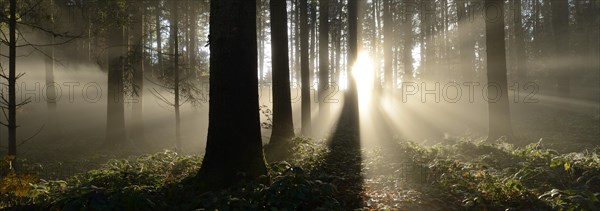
(52, 123)
(138, 72)
(115, 122)
(305, 68)
(388, 27)
(466, 50)
(323, 58)
(519, 46)
(407, 50)
(497, 93)
(560, 23)
(176, 78)
(261, 45)
(283, 127)
(313, 39)
(297, 35)
(12, 79)
(232, 156)
(159, 37)
(351, 97)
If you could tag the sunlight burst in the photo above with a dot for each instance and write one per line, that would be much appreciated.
(362, 71)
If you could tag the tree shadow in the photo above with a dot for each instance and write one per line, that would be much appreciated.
(342, 166)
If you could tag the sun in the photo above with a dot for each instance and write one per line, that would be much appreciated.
(362, 72)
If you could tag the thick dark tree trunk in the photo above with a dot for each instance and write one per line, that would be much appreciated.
(352, 94)
(323, 58)
(115, 112)
(388, 42)
(12, 79)
(234, 148)
(560, 23)
(283, 127)
(497, 93)
(305, 68)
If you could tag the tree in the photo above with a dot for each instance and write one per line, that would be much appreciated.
(232, 155)
(497, 92)
(283, 127)
(352, 95)
(388, 43)
(520, 69)
(560, 23)
(323, 56)
(12, 79)
(465, 46)
(137, 63)
(52, 125)
(176, 79)
(304, 68)
(115, 111)
(408, 45)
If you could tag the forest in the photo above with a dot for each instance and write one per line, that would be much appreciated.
(300, 105)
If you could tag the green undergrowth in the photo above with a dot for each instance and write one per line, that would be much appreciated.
(483, 176)
(165, 181)
(462, 173)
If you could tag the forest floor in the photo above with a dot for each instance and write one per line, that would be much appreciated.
(552, 163)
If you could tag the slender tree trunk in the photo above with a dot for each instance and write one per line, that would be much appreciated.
(499, 112)
(466, 51)
(176, 78)
(261, 50)
(313, 39)
(560, 23)
(232, 156)
(52, 123)
(159, 36)
(305, 68)
(138, 72)
(12, 79)
(297, 43)
(408, 45)
(519, 46)
(323, 58)
(388, 26)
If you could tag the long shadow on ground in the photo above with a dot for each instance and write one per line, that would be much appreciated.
(342, 165)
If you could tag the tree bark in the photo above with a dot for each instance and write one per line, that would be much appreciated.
(388, 27)
(159, 36)
(12, 79)
(498, 105)
(351, 96)
(560, 23)
(138, 72)
(52, 123)
(233, 149)
(305, 69)
(115, 120)
(407, 50)
(176, 78)
(283, 127)
(323, 58)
